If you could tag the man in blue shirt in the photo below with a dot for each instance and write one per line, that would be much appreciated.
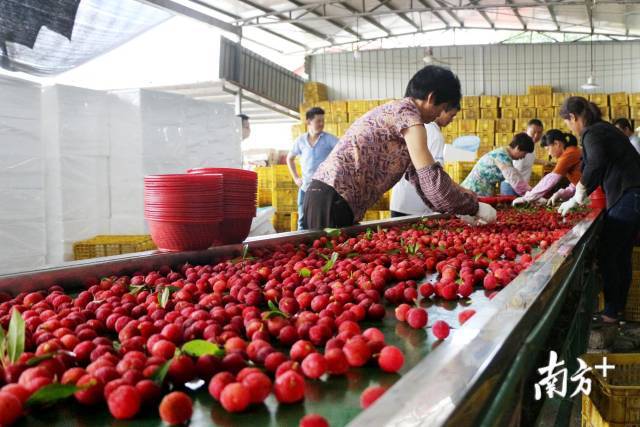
(313, 147)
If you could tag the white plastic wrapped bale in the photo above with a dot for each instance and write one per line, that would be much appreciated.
(22, 177)
(76, 138)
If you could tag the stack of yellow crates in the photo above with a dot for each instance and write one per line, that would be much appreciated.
(314, 92)
(458, 171)
(108, 245)
(264, 185)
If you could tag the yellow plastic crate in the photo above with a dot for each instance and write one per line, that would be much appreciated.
(294, 221)
(617, 396)
(489, 102)
(545, 100)
(591, 416)
(105, 245)
(313, 92)
(371, 215)
(520, 125)
(383, 203)
(264, 176)
(634, 112)
(618, 111)
(339, 117)
(600, 99)
(634, 99)
(486, 139)
(337, 106)
(489, 113)
(467, 126)
(559, 98)
(503, 125)
(458, 171)
(526, 101)
(503, 138)
(540, 90)
(285, 199)
(354, 115)
(509, 113)
(357, 106)
(635, 260)
(297, 130)
(330, 128)
(470, 102)
(526, 112)
(559, 123)
(342, 129)
(453, 127)
(264, 197)
(632, 309)
(545, 112)
(471, 114)
(509, 101)
(281, 221)
(385, 214)
(281, 177)
(618, 98)
(486, 125)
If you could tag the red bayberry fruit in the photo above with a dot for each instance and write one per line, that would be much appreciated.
(301, 349)
(357, 351)
(417, 318)
(93, 392)
(218, 383)
(314, 365)
(234, 397)
(426, 290)
(464, 315)
(17, 390)
(124, 402)
(440, 329)
(176, 408)
(10, 408)
(370, 395)
(149, 391)
(373, 334)
(259, 386)
(490, 282)
(313, 420)
(289, 387)
(391, 359)
(401, 312)
(336, 361)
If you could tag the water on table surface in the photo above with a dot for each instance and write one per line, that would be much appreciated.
(335, 398)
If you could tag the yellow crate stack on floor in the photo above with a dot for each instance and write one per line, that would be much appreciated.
(458, 171)
(284, 196)
(106, 245)
(632, 309)
(264, 185)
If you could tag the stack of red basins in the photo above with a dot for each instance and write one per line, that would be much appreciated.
(240, 192)
(184, 211)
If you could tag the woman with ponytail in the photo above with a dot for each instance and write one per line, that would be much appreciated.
(564, 147)
(611, 162)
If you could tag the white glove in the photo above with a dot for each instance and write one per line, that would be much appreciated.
(541, 201)
(468, 219)
(519, 201)
(555, 198)
(486, 214)
(568, 205)
(581, 194)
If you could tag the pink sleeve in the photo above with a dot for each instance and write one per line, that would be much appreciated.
(567, 193)
(439, 192)
(543, 187)
(513, 177)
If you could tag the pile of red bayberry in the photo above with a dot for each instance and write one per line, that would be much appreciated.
(258, 324)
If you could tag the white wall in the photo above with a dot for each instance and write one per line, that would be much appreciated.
(488, 69)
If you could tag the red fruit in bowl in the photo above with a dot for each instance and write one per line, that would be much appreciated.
(289, 387)
(417, 318)
(464, 315)
(370, 395)
(391, 359)
(440, 329)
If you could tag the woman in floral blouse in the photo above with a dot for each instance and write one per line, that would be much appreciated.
(497, 166)
(380, 147)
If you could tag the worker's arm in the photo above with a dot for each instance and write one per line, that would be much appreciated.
(291, 163)
(434, 186)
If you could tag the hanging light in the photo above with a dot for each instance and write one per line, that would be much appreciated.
(591, 81)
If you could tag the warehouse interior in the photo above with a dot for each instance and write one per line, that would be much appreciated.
(154, 170)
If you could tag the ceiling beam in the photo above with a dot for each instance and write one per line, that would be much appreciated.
(483, 13)
(433, 12)
(368, 19)
(402, 16)
(552, 13)
(233, 16)
(342, 26)
(304, 28)
(516, 12)
(451, 13)
(181, 9)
